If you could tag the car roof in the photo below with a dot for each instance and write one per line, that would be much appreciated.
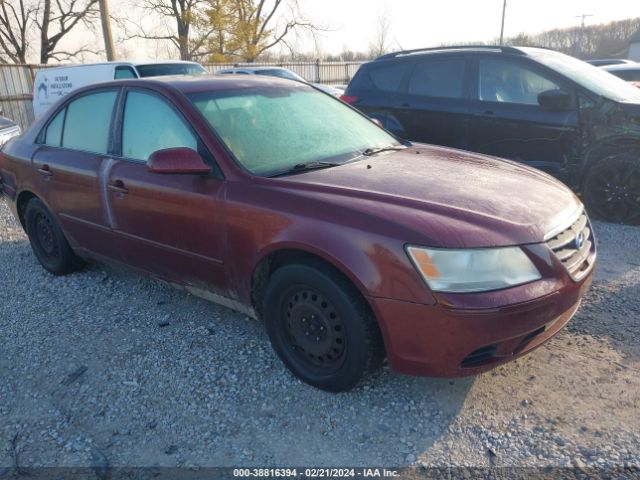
(522, 51)
(201, 83)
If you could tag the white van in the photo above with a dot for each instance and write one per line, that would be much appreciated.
(52, 83)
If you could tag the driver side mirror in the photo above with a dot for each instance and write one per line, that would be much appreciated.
(177, 160)
(554, 100)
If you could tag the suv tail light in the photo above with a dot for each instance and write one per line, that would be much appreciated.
(350, 99)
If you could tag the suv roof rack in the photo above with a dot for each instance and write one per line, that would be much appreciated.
(501, 48)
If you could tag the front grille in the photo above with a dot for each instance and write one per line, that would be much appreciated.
(574, 247)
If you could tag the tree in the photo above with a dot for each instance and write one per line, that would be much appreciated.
(15, 21)
(190, 32)
(379, 45)
(56, 19)
(255, 26)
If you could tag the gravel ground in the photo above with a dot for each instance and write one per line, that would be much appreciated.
(104, 366)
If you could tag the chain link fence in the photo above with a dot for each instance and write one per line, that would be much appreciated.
(16, 81)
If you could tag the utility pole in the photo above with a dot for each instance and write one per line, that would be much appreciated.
(106, 30)
(504, 11)
(578, 48)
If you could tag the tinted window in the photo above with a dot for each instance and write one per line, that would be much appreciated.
(388, 78)
(86, 126)
(54, 130)
(124, 72)
(158, 70)
(438, 78)
(510, 82)
(628, 75)
(150, 124)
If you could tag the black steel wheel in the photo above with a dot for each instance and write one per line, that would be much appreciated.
(47, 240)
(612, 189)
(321, 327)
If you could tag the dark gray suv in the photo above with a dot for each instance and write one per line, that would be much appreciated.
(531, 105)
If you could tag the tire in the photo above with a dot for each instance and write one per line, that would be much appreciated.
(612, 189)
(47, 240)
(321, 327)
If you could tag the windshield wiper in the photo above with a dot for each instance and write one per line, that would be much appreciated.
(375, 150)
(303, 167)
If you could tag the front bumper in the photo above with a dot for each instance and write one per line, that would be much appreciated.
(444, 341)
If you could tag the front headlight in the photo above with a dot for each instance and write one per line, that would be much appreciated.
(473, 270)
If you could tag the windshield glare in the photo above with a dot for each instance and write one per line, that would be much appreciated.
(592, 78)
(270, 130)
(159, 70)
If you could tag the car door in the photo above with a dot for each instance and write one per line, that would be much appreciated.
(69, 160)
(434, 106)
(508, 121)
(171, 225)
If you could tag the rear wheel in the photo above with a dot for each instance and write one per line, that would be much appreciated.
(612, 189)
(47, 240)
(320, 327)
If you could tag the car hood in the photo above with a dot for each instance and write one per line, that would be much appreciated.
(447, 198)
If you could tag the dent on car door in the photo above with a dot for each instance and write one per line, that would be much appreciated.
(69, 161)
(509, 122)
(171, 225)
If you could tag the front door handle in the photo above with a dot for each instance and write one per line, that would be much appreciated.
(118, 187)
(45, 171)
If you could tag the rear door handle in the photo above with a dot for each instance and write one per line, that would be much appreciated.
(45, 171)
(118, 187)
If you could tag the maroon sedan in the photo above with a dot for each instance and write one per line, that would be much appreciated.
(280, 201)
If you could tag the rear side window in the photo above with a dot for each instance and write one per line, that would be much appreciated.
(388, 78)
(628, 75)
(150, 124)
(87, 123)
(438, 78)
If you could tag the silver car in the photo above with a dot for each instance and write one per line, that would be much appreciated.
(282, 73)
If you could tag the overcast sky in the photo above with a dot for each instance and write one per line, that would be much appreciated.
(422, 23)
(352, 24)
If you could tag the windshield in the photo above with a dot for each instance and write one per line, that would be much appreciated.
(159, 70)
(282, 73)
(592, 78)
(270, 130)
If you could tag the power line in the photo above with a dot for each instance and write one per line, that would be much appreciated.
(578, 48)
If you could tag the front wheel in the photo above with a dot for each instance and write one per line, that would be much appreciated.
(321, 328)
(47, 240)
(612, 189)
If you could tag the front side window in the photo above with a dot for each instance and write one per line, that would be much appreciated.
(271, 129)
(150, 124)
(87, 122)
(510, 82)
(438, 78)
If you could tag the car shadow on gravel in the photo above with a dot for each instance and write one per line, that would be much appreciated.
(151, 375)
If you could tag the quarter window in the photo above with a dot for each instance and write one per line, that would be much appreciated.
(389, 78)
(53, 137)
(124, 72)
(438, 78)
(510, 82)
(150, 124)
(87, 124)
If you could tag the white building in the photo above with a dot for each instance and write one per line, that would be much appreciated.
(634, 47)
